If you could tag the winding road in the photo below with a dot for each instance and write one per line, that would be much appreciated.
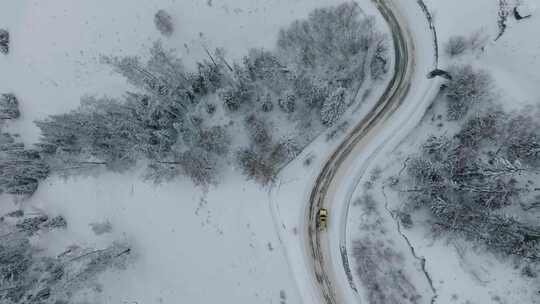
(389, 101)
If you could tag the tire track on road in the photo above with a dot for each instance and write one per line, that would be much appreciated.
(390, 100)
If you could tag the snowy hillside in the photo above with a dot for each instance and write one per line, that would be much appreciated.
(283, 151)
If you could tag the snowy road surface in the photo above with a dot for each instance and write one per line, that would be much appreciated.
(333, 288)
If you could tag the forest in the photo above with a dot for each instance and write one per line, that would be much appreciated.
(257, 114)
(477, 177)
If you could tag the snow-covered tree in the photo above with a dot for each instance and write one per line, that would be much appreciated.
(237, 94)
(255, 166)
(28, 275)
(379, 64)
(200, 166)
(9, 107)
(209, 78)
(333, 107)
(312, 91)
(471, 181)
(286, 150)
(258, 131)
(163, 76)
(215, 140)
(287, 102)
(267, 105)
(20, 169)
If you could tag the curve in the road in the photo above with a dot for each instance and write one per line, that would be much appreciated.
(388, 102)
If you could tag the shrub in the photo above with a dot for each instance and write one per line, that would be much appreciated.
(455, 46)
(164, 23)
(467, 88)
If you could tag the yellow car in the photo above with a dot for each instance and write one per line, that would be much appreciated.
(322, 218)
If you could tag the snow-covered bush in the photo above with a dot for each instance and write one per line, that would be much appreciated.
(312, 91)
(456, 45)
(9, 107)
(4, 41)
(164, 23)
(468, 87)
(255, 166)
